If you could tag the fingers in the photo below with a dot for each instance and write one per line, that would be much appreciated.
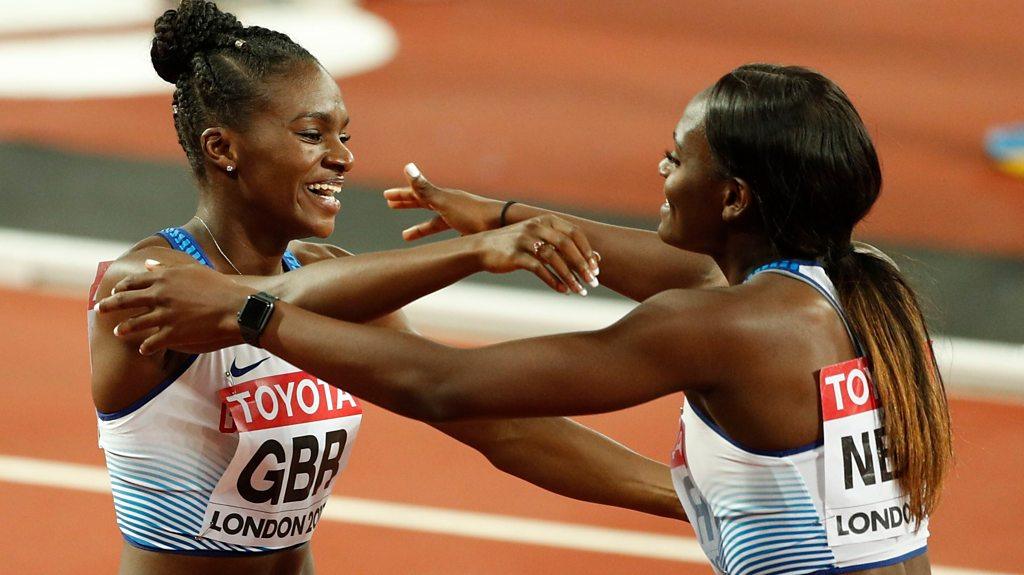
(403, 199)
(565, 256)
(583, 244)
(422, 230)
(151, 319)
(419, 182)
(537, 268)
(156, 342)
(546, 253)
(122, 300)
(136, 281)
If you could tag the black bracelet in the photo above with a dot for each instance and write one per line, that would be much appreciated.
(504, 210)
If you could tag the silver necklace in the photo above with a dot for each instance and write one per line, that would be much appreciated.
(217, 245)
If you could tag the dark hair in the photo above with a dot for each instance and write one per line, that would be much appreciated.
(218, 68)
(794, 137)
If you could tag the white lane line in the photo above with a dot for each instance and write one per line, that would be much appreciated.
(422, 518)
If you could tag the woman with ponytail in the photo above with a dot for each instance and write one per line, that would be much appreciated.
(814, 435)
(222, 462)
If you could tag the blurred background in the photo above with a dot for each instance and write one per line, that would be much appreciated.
(564, 104)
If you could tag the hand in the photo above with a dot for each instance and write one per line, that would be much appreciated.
(456, 210)
(188, 308)
(553, 249)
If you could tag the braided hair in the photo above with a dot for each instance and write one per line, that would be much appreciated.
(218, 67)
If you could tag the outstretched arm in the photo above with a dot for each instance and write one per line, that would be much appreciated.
(564, 457)
(635, 263)
(362, 287)
(669, 343)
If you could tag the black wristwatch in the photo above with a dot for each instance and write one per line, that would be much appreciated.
(255, 315)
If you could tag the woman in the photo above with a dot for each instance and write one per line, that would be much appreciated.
(205, 481)
(770, 170)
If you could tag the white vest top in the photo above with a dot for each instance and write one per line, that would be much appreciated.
(826, 508)
(234, 453)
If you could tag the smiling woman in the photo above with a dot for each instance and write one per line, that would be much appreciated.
(223, 461)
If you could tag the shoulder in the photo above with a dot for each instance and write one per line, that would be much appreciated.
(718, 310)
(309, 252)
(708, 334)
(133, 261)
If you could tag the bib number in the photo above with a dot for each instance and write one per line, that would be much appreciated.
(863, 501)
(294, 438)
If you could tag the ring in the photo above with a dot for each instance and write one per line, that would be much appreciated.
(537, 245)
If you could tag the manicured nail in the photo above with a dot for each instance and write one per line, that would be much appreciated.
(151, 263)
(583, 292)
(412, 171)
(113, 290)
(592, 281)
(117, 330)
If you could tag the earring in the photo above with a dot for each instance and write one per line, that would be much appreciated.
(230, 169)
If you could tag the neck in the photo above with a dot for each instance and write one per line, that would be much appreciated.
(743, 254)
(252, 252)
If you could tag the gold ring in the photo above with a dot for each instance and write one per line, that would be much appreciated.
(537, 245)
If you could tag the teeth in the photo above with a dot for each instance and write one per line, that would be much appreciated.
(329, 188)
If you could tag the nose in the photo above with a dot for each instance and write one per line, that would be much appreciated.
(339, 157)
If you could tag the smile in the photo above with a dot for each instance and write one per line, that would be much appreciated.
(326, 188)
(323, 194)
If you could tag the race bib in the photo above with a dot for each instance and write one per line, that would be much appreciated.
(703, 521)
(295, 434)
(863, 501)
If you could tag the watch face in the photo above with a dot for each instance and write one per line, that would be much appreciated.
(252, 312)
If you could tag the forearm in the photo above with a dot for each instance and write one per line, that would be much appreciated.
(363, 287)
(397, 371)
(635, 263)
(564, 457)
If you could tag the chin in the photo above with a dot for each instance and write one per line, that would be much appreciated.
(322, 231)
(665, 233)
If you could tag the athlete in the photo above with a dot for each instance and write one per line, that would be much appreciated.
(222, 461)
(814, 435)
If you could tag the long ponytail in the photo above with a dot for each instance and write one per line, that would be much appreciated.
(795, 138)
(886, 319)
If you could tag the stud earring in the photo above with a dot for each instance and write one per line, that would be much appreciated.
(230, 169)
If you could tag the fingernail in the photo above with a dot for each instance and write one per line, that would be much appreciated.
(113, 290)
(583, 292)
(592, 281)
(152, 263)
(117, 329)
(412, 171)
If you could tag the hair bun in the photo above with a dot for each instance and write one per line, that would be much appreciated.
(196, 25)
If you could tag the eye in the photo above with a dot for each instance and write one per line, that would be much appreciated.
(671, 157)
(344, 137)
(311, 136)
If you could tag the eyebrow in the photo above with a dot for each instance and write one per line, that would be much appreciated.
(322, 116)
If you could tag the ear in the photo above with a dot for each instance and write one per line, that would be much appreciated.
(737, 200)
(218, 148)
